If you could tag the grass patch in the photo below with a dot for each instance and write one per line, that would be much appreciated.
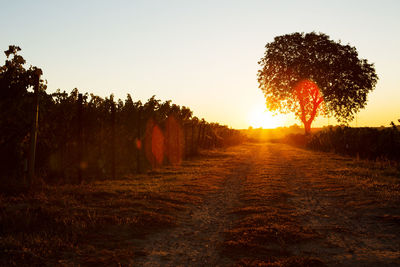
(98, 223)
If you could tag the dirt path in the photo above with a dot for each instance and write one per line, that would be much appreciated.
(353, 209)
(197, 239)
(319, 206)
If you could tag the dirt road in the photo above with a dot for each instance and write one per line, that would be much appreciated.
(250, 205)
(275, 205)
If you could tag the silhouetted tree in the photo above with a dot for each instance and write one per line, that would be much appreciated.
(15, 107)
(309, 74)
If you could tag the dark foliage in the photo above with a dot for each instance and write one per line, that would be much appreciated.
(135, 136)
(15, 107)
(368, 143)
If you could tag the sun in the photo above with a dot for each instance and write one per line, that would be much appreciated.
(260, 117)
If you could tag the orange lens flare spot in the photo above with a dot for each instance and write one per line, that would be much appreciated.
(83, 165)
(157, 145)
(160, 144)
(154, 144)
(138, 144)
(174, 141)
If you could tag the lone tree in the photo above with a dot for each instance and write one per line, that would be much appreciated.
(310, 75)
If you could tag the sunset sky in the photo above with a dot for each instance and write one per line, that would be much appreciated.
(201, 54)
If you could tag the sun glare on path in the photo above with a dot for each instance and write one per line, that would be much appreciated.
(260, 117)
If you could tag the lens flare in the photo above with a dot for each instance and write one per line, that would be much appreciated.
(154, 144)
(310, 99)
(157, 145)
(174, 141)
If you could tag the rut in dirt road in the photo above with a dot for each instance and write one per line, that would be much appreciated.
(301, 208)
(197, 239)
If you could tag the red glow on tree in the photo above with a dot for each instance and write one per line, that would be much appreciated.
(310, 101)
(307, 73)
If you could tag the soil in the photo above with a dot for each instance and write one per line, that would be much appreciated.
(351, 208)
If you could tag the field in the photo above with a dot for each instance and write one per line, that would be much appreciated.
(257, 204)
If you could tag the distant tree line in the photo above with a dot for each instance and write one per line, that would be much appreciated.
(84, 135)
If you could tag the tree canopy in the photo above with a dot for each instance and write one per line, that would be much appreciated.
(309, 74)
(15, 106)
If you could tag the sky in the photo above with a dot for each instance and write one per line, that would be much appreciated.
(199, 54)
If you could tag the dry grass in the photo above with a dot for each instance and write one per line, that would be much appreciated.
(251, 205)
(95, 223)
(301, 208)
(266, 226)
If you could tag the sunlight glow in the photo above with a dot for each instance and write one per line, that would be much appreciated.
(260, 117)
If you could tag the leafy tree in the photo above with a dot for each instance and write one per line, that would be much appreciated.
(310, 75)
(15, 107)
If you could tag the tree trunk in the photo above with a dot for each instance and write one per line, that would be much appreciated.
(307, 127)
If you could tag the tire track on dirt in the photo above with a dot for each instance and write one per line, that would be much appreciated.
(333, 200)
(302, 208)
(197, 239)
